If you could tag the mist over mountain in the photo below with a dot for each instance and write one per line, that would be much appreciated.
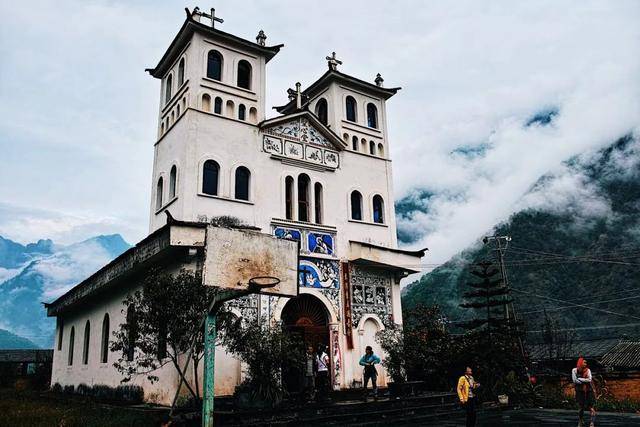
(576, 239)
(41, 272)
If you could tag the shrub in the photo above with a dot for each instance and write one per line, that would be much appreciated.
(56, 388)
(68, 389)
(129, 394)
(83, 390)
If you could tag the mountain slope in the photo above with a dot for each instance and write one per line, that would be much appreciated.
(46, 276)
(9, 341)
(576, 236)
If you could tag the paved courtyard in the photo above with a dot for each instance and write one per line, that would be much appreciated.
(543, 417)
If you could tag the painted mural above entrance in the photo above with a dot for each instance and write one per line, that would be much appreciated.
(312, 242)
(319, 273)
(302, 152)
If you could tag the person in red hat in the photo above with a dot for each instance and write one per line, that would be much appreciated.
(585, 396)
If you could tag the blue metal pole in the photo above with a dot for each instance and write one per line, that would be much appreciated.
(209, 369)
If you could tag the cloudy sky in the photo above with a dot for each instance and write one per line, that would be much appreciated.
(78, 113)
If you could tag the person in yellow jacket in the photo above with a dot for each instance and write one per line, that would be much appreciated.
(465, 389)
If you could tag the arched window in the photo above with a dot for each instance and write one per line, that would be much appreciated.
(217, 106)
(253, 115)
(363, 145)
(230, 108)
(60, 332)
(322, 111)
(243, 177)
(104, 342)
(378, 209)
(173, 176)
(380, 150)
(288, 189)
(181, 72)
(167, 88)
(72, 337)
(354, 143)
(303, 197)
(352, 109)
(161, 351)
(242, 112)
(372, 148)
(214, 65)
(159, 194)
(244, 74)
(162, 129)
(206, 103)
(178, 111)
(356, 205)
(132, 333)
(85, 344)
(372, 116)
(317, 197)
(210, 174)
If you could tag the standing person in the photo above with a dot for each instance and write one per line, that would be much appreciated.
(466, 394)
(309, 372)
(585, 396)
(369, 361)
(322, 374)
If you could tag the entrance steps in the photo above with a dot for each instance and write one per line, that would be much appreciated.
(343, 410)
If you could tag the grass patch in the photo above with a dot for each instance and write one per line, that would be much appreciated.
(34, 409)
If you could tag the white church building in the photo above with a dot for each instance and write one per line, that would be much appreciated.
(318, 172)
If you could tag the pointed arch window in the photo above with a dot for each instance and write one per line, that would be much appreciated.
(181, 72)
(322, 111)
(378, 209)
(243, 178)
(210, 173)
(352, 109)
(372, 116)
(354, 143)
(214, 65)
(60, 332)
(159, 190)
(288, 189)
(85, 343)
(72, 337)
(356, 205)
(173, 177)
(167, 88)
(317, 197)
(244, 74)
(242, 112)
(303, 197)
(217, 105)
(132, 333)
(104, 342)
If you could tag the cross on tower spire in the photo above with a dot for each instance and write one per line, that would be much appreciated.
(333, 62)
(211, 15)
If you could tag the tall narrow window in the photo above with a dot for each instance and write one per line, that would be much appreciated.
(173, 176)
(85, 343)
(244, 74)
(167, 88)
(378, 209)
(288, 189)
(354, 143)
(132, 333)
(372, 116)
(380, 150)
(159, 190)
(356, 206)
(243, 177)
(206, 103)
(104, 342)
(303, 197)
(242, 112)
(214, 65)
(181, 72)
(217, 106)
(210, 174)
(351, 109)
(317, 197)
(372, 148)
(72, 337)
(322, 111)
(60, 332)
(161, 351)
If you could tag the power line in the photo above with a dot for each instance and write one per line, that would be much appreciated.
(589, 328)
(589, 304)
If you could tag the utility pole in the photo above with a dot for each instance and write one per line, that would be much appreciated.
(502, 243)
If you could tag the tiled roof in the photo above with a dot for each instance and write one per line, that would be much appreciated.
(625, 354)
(20, 356)
(590, 349)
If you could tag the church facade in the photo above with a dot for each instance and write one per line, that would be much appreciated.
(319, 172)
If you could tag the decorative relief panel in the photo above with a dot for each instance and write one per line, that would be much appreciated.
(313, 154)
(272, 145)
(319, 243)
(291, 129)
(319, 273)
(370, 294)
(311, 241)
(287, 233)
(294, 150)
(247, 306)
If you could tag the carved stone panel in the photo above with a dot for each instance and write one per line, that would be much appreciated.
(370, 294)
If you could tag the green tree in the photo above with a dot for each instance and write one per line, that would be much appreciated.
(163, 319)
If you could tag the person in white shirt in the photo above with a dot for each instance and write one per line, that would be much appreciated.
(585, 396)
(322, 373)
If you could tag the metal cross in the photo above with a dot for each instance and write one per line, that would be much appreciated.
(213, 17)
(333, 62)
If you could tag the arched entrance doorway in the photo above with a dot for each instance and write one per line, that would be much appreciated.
(307, 318)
